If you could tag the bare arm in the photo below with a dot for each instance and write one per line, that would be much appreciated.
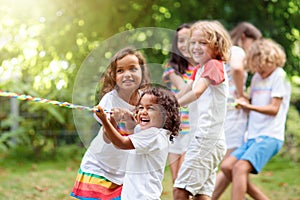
(238, 78)
(106, 136)
(194, 93)
(112, 133)
(270, 109)
(237, 67)
(187, 88)
(125, 115)
(177, 81)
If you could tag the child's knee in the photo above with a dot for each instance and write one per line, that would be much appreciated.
(241, 167)
(226, 167)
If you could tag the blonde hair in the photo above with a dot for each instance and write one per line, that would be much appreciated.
(264, 53)
(216, 36)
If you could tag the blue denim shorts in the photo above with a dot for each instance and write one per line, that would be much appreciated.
(258, 151)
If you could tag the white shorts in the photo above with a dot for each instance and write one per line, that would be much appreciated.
(198, 171)
(235, 127)
(180, 143)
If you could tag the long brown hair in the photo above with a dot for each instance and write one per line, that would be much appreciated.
(177, 60)
(246, 29)
(108, 81)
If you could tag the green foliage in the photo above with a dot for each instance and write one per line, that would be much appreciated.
(12, 138)
(292, 139)
(44, 43)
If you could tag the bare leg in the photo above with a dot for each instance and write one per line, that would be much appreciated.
(175, 161)
(240, 174)
(255, 192)
(180, 194)
(252, 190)
(201, 197)
(174, 165)
(222, 181)
(221, 185)
(227, 165)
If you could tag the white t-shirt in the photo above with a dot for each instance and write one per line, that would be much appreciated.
(236, 52)
(208, 112)
(236, 119)
(102, 158)
(146, 164)
(261, 93)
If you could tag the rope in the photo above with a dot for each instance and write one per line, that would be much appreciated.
(24, 97)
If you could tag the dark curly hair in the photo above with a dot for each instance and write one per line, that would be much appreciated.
(167, 100)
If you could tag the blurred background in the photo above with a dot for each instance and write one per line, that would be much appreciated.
(43, 43)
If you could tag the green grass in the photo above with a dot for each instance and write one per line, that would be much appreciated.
(21, 177)
(280, 179)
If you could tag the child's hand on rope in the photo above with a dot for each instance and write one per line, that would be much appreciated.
(124, 115)
(101, 113)
(242, 103)
(121, 114)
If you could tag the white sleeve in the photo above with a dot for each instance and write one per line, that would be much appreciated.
(279, 88)
(237, 51)
(105, 103)
(149, 140)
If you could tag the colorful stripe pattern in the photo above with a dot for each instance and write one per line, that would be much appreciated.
(93, 187)
(122, 129)
(184, 117)
(184, 112)
(170, 70)
(25, 97)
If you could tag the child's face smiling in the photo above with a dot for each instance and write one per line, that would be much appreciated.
(200, 50)
(150, 114)
(128, 73)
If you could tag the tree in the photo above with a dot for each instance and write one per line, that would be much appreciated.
(44, 43)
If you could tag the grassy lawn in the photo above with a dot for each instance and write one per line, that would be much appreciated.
(24, 178)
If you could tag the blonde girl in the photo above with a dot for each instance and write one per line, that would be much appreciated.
(242, 36)
(207, 99)
(269, 102)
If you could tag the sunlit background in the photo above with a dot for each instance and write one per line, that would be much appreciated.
(43, 44)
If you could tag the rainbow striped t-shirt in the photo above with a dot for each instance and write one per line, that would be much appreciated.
(184, 111)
